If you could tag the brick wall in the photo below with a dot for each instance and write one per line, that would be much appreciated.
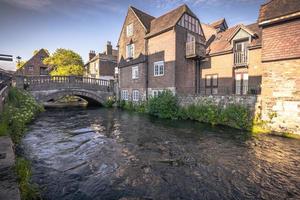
(36, 62)
(162, 48)
(281, 41)
(137, 38)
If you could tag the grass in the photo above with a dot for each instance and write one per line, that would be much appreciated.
(28, 190)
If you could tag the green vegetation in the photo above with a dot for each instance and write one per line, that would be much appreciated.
(109, 102)
(165, 105)
(20, 64)
(20, 109)
(65, 63)
(28, 190)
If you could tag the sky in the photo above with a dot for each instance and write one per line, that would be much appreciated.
(84, 25)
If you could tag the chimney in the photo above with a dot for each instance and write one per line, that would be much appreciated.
(108, 48)
(92, 54)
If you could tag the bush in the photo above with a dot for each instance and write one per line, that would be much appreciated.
(236, 116)
(164, 105)
(140, 107)
(20, 109)
(109, 102)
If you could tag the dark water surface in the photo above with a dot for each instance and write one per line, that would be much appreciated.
(110, 154)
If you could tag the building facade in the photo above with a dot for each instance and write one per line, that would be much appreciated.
(102, 65)
(157, 54)
(280, 56)
(35, 66)
(233, 60)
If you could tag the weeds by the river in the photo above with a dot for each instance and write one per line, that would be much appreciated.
(28, 190)
(20, 109)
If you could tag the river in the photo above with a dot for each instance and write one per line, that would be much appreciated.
(91, 154)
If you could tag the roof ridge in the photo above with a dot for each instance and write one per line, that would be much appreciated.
(183, 5)
(134, 8)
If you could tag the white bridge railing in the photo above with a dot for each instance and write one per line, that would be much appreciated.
(53, 82)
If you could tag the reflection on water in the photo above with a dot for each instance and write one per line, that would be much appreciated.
(110, 154)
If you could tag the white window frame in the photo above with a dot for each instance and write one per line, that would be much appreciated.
(124, 95)
(130, 53)
(157, 66)
(135, 95)
(155, 93)
(135, 72)
(129, 30)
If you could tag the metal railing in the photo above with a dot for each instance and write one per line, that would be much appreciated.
(194, 49)
(241, 58)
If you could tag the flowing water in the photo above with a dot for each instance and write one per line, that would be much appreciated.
(112, 154)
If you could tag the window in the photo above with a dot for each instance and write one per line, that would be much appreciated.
(30, 68)
(129, 30)
(241, 83)
(159, 68)
(241, 52)
(135, 95)
(135, 72)
(124, 94)
(130, 51)
(211, 84)
(190, 23)
(155, 93)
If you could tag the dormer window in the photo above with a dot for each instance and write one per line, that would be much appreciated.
(129, 30)
(241, 53)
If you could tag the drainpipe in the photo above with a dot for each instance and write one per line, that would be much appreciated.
(146, 67)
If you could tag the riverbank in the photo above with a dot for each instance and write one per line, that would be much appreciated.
(19, 110)
(236, 116)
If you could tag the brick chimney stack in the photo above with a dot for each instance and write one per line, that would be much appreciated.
(108, 48)
(92, 54)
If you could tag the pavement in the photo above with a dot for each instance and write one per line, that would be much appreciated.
(9, 189)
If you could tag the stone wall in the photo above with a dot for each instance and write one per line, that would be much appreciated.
(281, 95)
(251, 101)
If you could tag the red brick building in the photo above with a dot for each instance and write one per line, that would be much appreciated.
(35, 66)
(103, 64)
(161, 53)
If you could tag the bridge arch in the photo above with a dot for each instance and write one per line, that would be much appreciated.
(93, 98)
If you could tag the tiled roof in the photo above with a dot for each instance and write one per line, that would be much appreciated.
(278, 8)
(217, 23)
(222, 40)
(208, 30)
(143, 17)
(168, 20)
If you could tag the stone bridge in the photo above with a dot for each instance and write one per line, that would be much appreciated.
(51, 88)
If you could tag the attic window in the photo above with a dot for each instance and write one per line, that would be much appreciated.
(129, 30)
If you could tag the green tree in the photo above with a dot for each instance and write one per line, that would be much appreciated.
(65, 62)
(20, 64)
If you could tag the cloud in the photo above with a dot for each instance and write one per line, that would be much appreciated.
(165, 3)
(29, 4)
(66, 7)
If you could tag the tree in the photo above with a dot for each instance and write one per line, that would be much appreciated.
(65, 62)
(20, 64)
